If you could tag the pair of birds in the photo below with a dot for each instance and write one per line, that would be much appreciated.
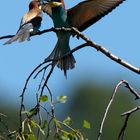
(80, 16)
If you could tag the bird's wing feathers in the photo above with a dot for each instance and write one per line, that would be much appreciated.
(30, 15)
(22, 34)
(30, 23)
(47, 9)
(88, 12)
(26, 26)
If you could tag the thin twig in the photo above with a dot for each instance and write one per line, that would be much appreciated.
(127, 114)
(80, 136)
(24, 89)
(111, 100)
(52, 107)
(51, 101)
(41, 81)
(49, 122)
(131, 111)
(44, 68)
(2, 115)
(123, 130)
(5, 125)
(5, 37)
(39, 116)
(107, 109)
(2, 138)
(48, 130)
(46, 80)
(38, 33)
(131, 89)
(37, 96)
(67, 126)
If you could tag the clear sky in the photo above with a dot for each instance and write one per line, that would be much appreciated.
(119, 32)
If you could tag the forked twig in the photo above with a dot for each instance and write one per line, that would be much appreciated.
(127, 116)
(137, 96)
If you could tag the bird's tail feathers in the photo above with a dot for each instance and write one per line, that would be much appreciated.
(22, 34)
(63, 62)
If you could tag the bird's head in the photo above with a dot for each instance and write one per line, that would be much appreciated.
(34, 4)
(47, 5)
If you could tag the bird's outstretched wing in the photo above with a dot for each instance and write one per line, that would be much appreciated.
(88, 12)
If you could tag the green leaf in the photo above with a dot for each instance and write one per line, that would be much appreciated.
(33, 123)
(44, 125)
(65, 134)
(33, 112)
(43, 98)
(68, 121)
(57, 123)
(62, 99)
(63, 138)
(31, 137)
(86, 124)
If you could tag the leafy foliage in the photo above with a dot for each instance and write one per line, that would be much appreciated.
(62, 99)
(86, 124)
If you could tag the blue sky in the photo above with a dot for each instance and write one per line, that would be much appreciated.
(119, 32)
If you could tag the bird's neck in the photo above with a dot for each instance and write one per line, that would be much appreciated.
(59, 16)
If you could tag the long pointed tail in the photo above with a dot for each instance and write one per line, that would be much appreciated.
(64, 63)
(22, 34)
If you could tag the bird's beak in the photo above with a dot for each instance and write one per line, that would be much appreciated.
(54, 4)
(51, 4)
(40, 7)
(46, 6)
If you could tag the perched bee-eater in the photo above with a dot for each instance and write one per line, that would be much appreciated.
(29, 24)
(80, 16)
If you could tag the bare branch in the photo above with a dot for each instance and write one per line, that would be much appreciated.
(38, 33)
(2, 138)
(123, 130)
(111, 100)
(88, 43)
(23, 92)
(127, 114)
(46, 80)
(106, 52)
(5, 37)
(80, 136)
(4, 124)
(131, 111)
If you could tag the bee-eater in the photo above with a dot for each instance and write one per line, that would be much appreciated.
(80, 16)
(30, 23)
